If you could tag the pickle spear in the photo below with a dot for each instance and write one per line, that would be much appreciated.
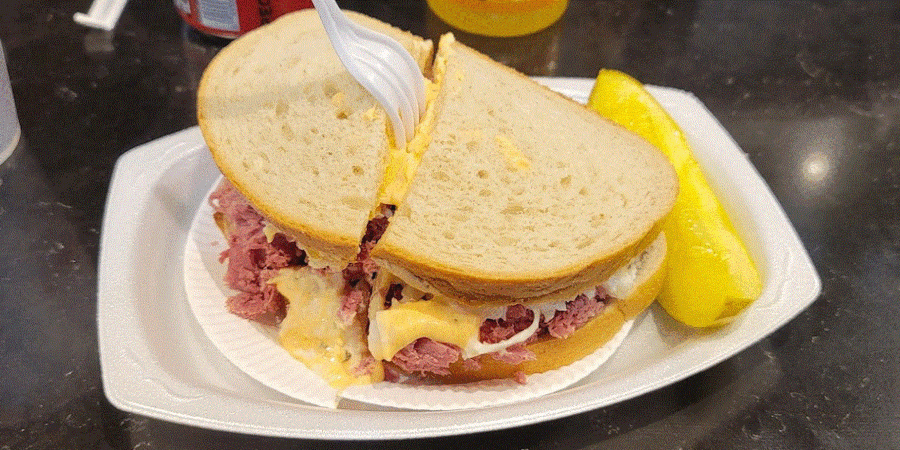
(711, 276)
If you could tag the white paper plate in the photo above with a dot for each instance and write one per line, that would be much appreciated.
(157, 361)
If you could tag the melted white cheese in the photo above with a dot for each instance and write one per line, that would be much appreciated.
(475, 347)
(623, 281)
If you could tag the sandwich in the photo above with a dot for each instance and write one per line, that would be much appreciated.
(515, 234)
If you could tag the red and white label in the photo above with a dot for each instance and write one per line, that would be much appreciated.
(232, 18)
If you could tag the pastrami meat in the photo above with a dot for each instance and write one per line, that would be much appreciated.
(427, 356)
(253, 260)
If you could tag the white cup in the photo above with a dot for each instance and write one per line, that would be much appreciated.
(9, 121)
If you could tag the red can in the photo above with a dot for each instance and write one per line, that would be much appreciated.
(232, 18)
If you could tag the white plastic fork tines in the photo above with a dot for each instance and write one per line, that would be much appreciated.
(381, 65)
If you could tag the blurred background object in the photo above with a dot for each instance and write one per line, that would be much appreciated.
(232, 18)
(534, 54)
(9, 121)
(499, 18)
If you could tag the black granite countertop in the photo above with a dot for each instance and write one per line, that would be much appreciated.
(810, 90)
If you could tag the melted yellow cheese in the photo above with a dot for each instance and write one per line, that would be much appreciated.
(311, 331)
(403, 323)
(370, 114)
(402, 163)
(270, 231)
(514, 157)
(316, 260)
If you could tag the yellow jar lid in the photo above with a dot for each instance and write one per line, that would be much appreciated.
(500, 18)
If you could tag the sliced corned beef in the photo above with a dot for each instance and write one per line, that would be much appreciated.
(578, 312)
(517, 318)
(514, 354)
(252, 259)
(427, 356)
(354, 302)
(359, 273)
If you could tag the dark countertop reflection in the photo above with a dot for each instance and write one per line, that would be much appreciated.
(810, 90)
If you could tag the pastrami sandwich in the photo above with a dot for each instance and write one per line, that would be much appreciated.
(515, 234)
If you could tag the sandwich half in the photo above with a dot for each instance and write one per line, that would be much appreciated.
(529, 233)
(303, 148)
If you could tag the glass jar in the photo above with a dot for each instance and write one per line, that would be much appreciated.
(499, 18)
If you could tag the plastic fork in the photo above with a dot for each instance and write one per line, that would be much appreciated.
(381, 65)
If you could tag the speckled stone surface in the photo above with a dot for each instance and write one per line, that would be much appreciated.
(810, 90)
